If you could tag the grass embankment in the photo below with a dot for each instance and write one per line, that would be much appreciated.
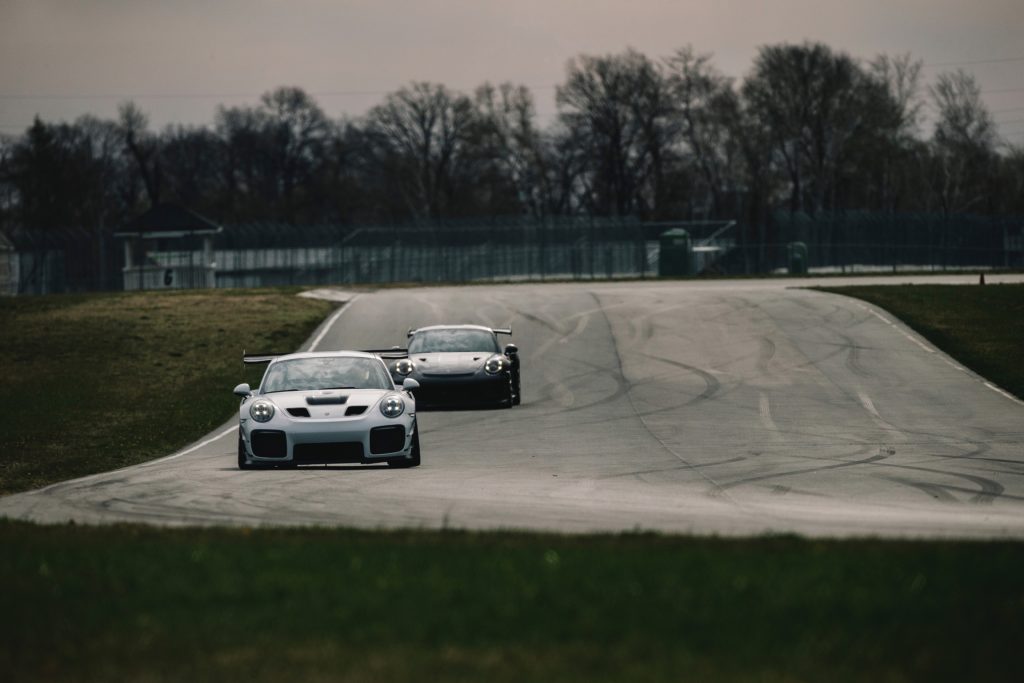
(982, 327)
(130, 603)
(99, 381)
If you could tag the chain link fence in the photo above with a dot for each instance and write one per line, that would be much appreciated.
(267, 254)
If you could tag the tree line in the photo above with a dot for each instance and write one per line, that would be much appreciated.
(808, 129)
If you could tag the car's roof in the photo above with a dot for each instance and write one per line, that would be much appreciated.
(453, 327)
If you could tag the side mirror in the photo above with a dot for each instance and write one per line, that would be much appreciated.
(511, 350)
(243, 390)
(409, 384)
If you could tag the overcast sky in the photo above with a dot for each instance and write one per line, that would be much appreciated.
(180, 59)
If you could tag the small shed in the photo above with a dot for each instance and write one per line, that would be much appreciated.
(169, 247)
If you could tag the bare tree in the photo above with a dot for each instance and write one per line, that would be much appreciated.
(897, 125)
(810, 99)
(963, 143)
(419, 133)
(296, 130)
(143, 146)
(507, 117)
(707, 109)
(618, 107)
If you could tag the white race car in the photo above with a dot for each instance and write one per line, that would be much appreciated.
(320, 408)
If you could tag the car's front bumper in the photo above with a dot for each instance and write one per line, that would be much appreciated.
(285, 440)
(466, 391)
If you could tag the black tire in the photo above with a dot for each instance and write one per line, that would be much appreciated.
(243, 462)
(413, 461)
(517, 396)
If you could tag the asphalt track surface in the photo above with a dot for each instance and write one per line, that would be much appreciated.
(727, 407)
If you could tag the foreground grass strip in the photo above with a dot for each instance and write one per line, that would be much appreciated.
(982, 327)
(134, 603)
(99, 381)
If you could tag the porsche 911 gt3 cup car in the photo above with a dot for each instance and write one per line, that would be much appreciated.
(319, 408)
(459, 366)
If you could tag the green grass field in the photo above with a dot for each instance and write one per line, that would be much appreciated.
(132, 603)
(143, 604)
(99, 381)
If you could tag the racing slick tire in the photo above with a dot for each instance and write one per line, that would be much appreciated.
(414, 459)
(243, 462)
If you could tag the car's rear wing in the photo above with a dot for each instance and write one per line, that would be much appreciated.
(251, 358)
(495, 330)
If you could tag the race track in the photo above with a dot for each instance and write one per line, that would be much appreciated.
(732, 407)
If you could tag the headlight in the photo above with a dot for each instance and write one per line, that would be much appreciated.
(404, 367)
(494, 365)
(392, 406)
(262, 411)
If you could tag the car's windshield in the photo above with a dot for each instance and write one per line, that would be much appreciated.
(433, 341)
(303, 374)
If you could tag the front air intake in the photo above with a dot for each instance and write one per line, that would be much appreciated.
(387, 439)
(269, 443)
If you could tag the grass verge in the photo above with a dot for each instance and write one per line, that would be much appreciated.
(134, 603)
(93, 382)
(982, 327)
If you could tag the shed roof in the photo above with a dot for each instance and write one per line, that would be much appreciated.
(168, 220)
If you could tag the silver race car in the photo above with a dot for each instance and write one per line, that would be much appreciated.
(459, 366)
(320, 408)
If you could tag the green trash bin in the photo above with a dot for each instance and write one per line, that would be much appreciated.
(797, 258)
(675, 255)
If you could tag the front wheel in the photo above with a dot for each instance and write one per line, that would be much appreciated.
(517, 394)
(414, 459)
(243, 461)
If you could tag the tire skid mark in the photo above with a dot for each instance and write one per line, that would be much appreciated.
(715, 490)
(932, 490)
(988, 489)
(831, 316)
(711, 384)
(547, 324)
(766, 351)
(853, 356)
(807, 470)
(676, 468)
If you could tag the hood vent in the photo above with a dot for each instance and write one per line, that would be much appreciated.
(298, 412)
(326, 400)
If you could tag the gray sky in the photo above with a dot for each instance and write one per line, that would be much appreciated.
(180, 59)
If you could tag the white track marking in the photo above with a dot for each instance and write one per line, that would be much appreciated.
(948, 361)
(893, 325)
(878, 315)
(207, 442)
(868, 404)
(330, 323)
(1007, 394)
